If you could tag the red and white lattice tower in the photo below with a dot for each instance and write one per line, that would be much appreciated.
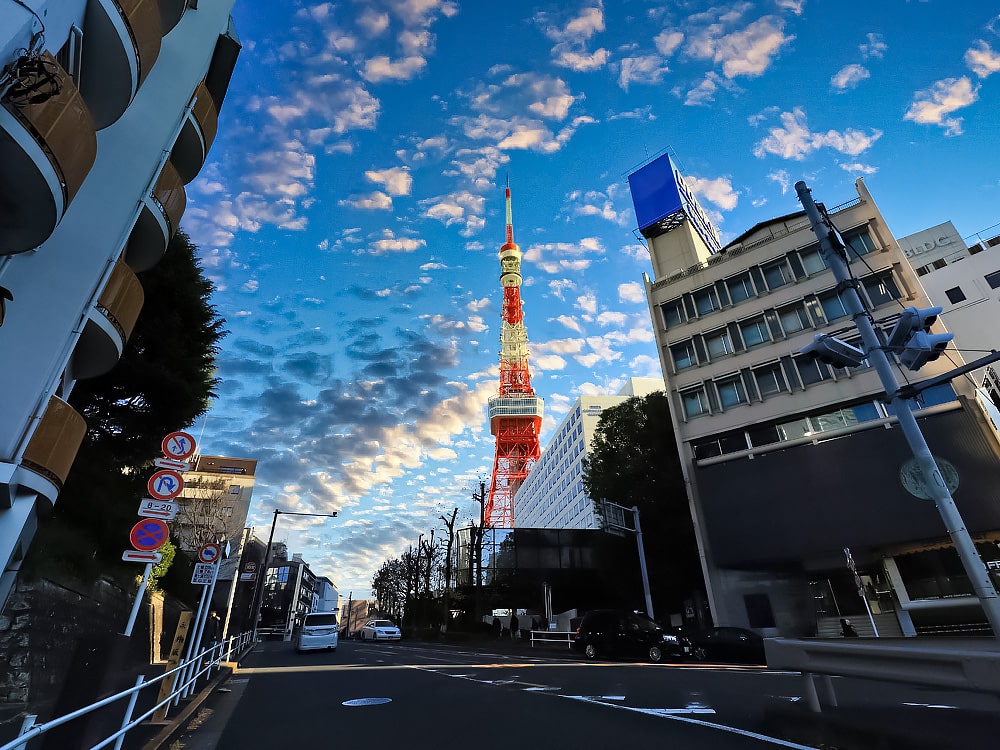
(515, 412)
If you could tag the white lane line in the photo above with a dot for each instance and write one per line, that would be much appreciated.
(928, 705)
(540, 689)
(697, 722)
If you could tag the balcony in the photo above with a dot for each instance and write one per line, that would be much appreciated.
(123, 37)
(109, 324)
(159, 219)
(52, 449)
(170, 13)
(46, 150)
(198, 132)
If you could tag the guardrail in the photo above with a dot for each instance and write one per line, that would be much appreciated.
(966, 665)
(184, 678)
(546, 636)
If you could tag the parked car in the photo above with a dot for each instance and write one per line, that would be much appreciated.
(618, 632)
(380, 630)
(727, 644)
(319, 630)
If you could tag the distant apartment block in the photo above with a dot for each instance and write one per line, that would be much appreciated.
(215, 502)
(553, 496)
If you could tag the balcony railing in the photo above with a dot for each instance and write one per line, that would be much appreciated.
(196, 136)
(124, 36)
(53, 446)
(48, 145)
(109, 324)
(158, 221)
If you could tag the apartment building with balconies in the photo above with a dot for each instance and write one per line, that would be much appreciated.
(791, 462)
(107, 109)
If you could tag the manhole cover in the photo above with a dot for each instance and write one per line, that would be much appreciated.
(367, 701)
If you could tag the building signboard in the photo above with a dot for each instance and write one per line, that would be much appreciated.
(943, 238)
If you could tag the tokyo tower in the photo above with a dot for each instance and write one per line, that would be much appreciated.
(515, 412)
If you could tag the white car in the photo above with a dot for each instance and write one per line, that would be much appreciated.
(319, 630)
(379, 630)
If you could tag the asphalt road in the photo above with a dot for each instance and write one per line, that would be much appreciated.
(426, 695)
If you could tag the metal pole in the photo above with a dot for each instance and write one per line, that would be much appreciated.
(138, 600)
(642, 563)
(258, 592)
(973, 564)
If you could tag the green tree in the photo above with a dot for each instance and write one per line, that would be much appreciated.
(634, 462)
(163, 382)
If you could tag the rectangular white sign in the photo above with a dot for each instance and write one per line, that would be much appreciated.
(165, 509)
(172, 463)
(203, 573)
(134, 555)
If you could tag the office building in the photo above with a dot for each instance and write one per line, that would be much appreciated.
(791, 463)
(107, 109)
(553, 496)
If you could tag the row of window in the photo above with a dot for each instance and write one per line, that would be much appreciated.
(760, 435)
(956, 295)
(813, 311)
(756, 280)
(756, 384)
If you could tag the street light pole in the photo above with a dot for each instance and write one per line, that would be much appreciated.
(258, 598)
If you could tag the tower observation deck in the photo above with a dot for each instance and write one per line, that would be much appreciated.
(515, 412)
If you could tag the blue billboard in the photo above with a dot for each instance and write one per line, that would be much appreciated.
(659, 191)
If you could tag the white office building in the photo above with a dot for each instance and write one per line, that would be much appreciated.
(553, 496)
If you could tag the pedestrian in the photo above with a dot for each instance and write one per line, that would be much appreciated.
(514, 632)
(497, 628)
(846, 629)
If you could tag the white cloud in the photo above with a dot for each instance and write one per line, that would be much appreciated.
(932, 106)
(849, 77)
(571, 323)
(783, 179)
(704, 92)
(612, 318)
(372, 21)
(668, 41)
(559, 287)
(794, 6)
(460, 207)
(747, 52)
(376, 201)
(571, 39)
(397, 180)
(874, 46)
(392, 244)
(543, 96)
(549, 362)
(718, 191)
(795, 141)
(381, 68)
(859, 168)
(982, 60)
(587, 303)
(631, 291)
(647, 69)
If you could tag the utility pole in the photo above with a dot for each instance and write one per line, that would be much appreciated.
(476, 564)
(834, 254)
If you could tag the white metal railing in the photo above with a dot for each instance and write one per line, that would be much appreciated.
(542, 636)
(184, 677)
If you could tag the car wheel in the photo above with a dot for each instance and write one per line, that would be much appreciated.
(699, 653)
(590, 651)
(655, 654)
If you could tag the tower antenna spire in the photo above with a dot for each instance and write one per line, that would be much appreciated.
(515, 412)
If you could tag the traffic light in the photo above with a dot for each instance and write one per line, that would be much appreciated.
(832, 351)
(912, 340)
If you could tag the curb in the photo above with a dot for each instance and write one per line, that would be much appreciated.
(175, 725)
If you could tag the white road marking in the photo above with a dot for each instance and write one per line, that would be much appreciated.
(928, 705)
(540, 689)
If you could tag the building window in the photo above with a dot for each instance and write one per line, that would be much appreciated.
(833, 306)
(234, 489)
(812, 260)
(881, 288)
(770, 380)
(811, 371)
(695, 402)
(706, 300)
(993, 279)
(683, 355)
(860, 244)
(754, 331)
(740, 288)
(955, 295)
(793, 318)
(731, 391)
(718, 343)
(777, 273)
(673, 313)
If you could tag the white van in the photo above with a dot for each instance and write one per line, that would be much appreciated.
(319, 630)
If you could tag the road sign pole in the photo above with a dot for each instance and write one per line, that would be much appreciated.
(138, 599)
(203, 609)
(190, 651)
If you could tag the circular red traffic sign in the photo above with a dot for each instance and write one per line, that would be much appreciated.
(209, 553)
(149, 534)
(178, 445)
(165, 484)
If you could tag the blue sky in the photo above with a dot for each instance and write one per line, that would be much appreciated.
(352, 208)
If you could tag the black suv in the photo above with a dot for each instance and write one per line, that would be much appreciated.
(618, 632)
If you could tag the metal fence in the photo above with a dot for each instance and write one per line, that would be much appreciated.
(183, 680)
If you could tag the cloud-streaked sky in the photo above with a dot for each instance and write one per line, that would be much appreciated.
(352, 208)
